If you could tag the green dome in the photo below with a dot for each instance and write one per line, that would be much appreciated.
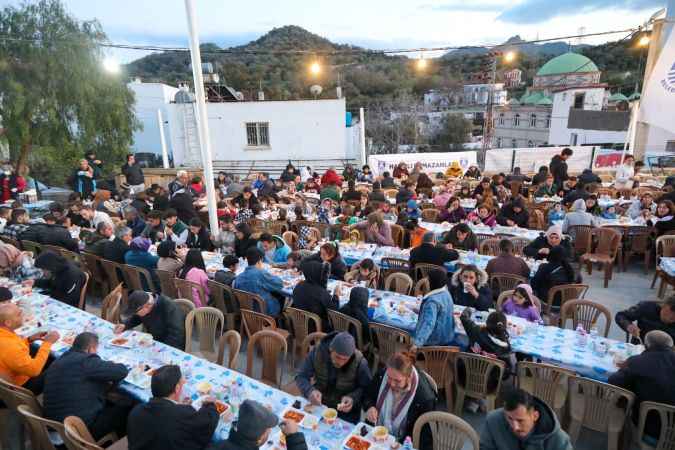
(545, 101)
(532, 99)
(618, 97)
(634, 96)
(568, 63)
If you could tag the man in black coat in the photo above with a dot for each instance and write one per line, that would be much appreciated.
(50, 233)
(182, 202)
(400, 380)
(429, 252)
(254, 427)
(514, 214)
(163, 319)
(541, 247)
(63, 280)
(649, 376)
(116, 249)
(76, 384)
(164, 423)
(311, 294)
(133, 172)
(649, 316)
(558, 166)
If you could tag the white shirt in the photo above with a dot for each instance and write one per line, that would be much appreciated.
(100, 216)
(623, 177)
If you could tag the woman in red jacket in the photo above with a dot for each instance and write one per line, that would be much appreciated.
(331, 177)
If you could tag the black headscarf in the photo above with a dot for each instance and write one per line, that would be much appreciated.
(358, 308)
(51, 261)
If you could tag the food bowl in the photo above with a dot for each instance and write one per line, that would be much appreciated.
(329, 416)
(204, 387)
(380, 434)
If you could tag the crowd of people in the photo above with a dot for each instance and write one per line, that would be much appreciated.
(161, 229)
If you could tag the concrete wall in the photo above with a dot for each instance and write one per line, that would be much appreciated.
(149, 98)
(306, 129)
(562, 102)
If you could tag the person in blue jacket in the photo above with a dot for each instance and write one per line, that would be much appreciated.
(436, 323)
(274, 248)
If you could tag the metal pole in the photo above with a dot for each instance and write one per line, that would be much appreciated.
(202, 116)
(362, 126)
(162, 139)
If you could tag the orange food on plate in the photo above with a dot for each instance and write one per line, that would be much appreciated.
(120, 341)
(356, 443)
(295, 416)
(220, 407)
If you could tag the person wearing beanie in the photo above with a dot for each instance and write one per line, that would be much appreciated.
(160, 316)
(541, 247)
(649, 376)
(436, 323)
(254, 426)
(340, 373)
(165, 422)
(5, 294)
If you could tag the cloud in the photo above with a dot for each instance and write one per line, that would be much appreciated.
(463, 6)
(535, 11)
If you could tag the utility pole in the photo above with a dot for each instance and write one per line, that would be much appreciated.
(488, 125)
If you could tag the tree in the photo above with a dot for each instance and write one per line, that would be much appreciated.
(56, 101)
(454, 132)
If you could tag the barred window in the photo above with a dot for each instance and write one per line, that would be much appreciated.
(257, 134)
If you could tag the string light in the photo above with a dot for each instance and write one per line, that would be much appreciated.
(509, 56)
(315, 68)
(643, 41)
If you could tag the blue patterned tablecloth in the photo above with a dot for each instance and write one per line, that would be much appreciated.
(440, 228)
(668, 265)
(227, 385)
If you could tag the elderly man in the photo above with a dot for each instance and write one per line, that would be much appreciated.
(541, 247)
(162, 318)
(165, 422)
(134, 221)
(649, 376)
(430, 253)
(644, 317)
(254, 426)
(181, 182)
(76, 384)
(116, 249)
(525, 422)
(97, 241)
(340, 374)
(16, 363)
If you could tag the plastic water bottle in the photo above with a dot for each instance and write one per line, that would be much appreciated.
(581, 336)
(407, 443)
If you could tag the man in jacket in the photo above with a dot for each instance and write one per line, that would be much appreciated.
(274, 248)
(649, 376)
(254, 426)
(436, 324)
(182, 202)
(134, 174)
(644, 317)
(51, 232)
(116, 249)
(134, 221)
(514, 214)
(340, 374)
(96, 242)
(16, 363)
(257, 280)
(63, 280)
(541, 247)
(507, 262)
(588, 177)
(163, 319)
(165, 423)
(154, 226)
(638, 207)
(175, 229)
(400, 383)
(558, 166)
(523, 422)
(76, 384)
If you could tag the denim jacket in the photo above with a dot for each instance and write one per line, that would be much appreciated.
(436, 323)
(263, 283)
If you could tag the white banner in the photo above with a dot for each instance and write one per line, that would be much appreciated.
(431, 162)
(658, 102)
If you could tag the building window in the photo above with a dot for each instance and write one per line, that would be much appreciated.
(516, 120)
(514, 143)
(499, 142)
(533, 120)
(574, 137)
(530, 144)
(501, 118)
(579, 100)
(548, 121)
(257, 134)
(670, 146)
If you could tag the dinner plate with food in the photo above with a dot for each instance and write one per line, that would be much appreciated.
(365, 437)
(302, 418)
(120, 341)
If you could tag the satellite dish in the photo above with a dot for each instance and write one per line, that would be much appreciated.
(316, 90)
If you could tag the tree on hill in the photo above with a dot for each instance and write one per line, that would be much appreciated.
(57, 102)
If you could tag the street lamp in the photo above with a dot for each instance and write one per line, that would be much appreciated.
(421, 64)
(111, 65)
(509, 56)
(643, 41)
(315, 68)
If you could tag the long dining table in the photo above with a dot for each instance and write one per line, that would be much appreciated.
(141, 355)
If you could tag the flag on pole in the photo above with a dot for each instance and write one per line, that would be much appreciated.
(658, 102)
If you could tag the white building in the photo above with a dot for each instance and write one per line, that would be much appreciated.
(309, 130)
(478, 94)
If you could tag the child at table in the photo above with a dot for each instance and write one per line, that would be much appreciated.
(411, 209)
(388, 213)
(293, 261)
(556, 213)
(610, 213)
(363, 271)
(324, 211)
(229, 272)
(520, 304)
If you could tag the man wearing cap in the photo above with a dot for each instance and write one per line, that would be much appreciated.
(254, 431)
(540, 247)
(340, 372)
(430, 253)
(163, 319)
(164, 423)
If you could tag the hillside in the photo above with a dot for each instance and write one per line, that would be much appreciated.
(367, 78)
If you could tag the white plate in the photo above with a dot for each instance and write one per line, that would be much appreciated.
(308, 420)
(125, 345)
(138, 379)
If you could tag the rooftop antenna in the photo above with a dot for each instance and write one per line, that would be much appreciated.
(581, 31)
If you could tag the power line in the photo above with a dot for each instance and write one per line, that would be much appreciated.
(349, 51)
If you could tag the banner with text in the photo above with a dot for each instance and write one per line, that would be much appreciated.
(431, 162)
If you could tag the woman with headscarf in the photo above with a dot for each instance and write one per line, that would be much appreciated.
(401, 171)
(139, 256)
(357, 307)
(169, 260)
(243, 240)
(62, 279)
(555, 272)
(311, 294)
(195, 270)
